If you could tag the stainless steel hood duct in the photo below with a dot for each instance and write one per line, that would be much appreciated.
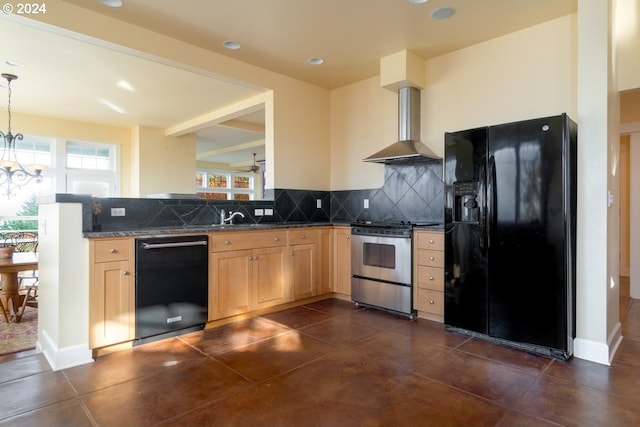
(409, 148)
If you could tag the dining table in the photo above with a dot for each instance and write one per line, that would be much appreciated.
(12, 301)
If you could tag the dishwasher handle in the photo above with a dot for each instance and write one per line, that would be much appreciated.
(173, 244)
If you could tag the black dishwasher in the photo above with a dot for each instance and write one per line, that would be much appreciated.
(172, 277)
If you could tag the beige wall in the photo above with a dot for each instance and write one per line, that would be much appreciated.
(364, 119)
(627, 38)
(630, 105)
(165, 164)
(526, 74)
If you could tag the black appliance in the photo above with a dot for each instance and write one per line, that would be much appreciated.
(171, 286)
(510, 227)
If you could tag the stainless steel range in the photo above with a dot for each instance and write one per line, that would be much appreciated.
(381, 266)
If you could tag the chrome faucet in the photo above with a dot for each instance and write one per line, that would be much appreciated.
(229, 219)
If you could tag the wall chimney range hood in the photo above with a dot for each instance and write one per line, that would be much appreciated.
(409, 148)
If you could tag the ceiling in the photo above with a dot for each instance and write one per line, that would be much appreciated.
(280, 35)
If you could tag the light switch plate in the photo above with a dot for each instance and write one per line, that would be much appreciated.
(117, 211)
(319, 203)
(259, 212)
(268, 212)
(366, 203)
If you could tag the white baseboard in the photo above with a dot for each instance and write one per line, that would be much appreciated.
(62, 358)
(599, 352)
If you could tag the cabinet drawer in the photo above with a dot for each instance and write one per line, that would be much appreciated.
(302, 236)
(430, 278)
(430, 258)
(431, 301)
(246, 240)
(430, 240)
(106, 250)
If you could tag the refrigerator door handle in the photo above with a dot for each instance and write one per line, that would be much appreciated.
(491, 199)
(483, 208)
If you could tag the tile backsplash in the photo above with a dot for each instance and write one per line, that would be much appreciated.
(410, 192)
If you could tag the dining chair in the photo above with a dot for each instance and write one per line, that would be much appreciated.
(26, 241)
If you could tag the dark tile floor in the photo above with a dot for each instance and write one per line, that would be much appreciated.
(327, 364)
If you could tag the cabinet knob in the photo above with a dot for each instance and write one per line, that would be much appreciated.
(431, 301)
(303, 237)
(431, 258)
(226, 242)
(347, 237)
(276, 238)
(113, 250)
(125, 273)
(432, 241)
(432, 278)
(291, 254)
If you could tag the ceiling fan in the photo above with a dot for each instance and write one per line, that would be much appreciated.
(254, 168)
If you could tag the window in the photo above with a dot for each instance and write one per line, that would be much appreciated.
(70, 167)
(225, 185)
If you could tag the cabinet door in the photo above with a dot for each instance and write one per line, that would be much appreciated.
(302, 270)
(324, 251)
(230, 284)
(268, 265)
(112, 311)
(342, 260)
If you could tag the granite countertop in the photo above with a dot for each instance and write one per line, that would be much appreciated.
(194, 229)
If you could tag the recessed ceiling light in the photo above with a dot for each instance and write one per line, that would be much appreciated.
(123, 84)
(13, 63)
(112, 3)
(417, 1)
(443, 13)
(230, 44)
(315, 60)
(112, 106)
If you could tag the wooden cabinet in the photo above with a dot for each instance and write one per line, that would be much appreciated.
(325, 261)
(429, 274)
(303, 260)
(230, 283)
(342, 260)
(111, 292)
(247, 272)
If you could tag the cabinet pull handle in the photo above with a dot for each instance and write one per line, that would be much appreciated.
(113, 250)
(226, 242)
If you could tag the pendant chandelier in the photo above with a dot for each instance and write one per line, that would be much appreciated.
(13, 174)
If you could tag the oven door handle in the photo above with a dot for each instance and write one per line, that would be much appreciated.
(173, 244)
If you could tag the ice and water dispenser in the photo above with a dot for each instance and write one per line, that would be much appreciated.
(466, 207)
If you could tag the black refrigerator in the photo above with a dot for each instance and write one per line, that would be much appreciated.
(510, 226)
